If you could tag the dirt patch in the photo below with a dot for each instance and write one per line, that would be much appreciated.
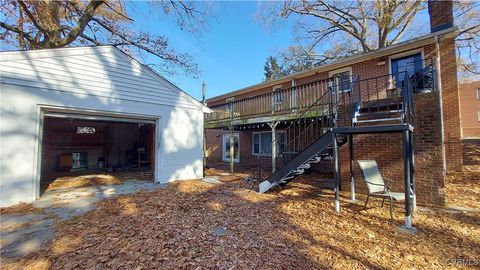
(291, 228)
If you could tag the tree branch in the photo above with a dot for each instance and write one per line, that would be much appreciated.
(20, 32)
(31, 17)
(87, 16)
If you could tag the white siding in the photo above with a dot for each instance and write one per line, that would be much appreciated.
(100, 71)
(99, 79)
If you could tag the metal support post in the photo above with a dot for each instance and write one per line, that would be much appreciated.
(273, 126)
(408, 212)
(352, 179)
(412, 172)
(336, 173)
(232, 150)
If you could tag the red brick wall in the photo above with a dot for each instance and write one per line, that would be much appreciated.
(247, 159)
(451, 106)
(469, 108)
(257, 92)
(387, 150)
(441, 14)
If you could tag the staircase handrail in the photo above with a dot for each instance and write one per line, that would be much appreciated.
(306, 110)
(332, 111)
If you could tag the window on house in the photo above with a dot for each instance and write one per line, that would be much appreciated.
(411, 64)
(226, 147)
(478, 93)
(341, 79)
(293, 98)
(278, 97)
(229, 105)
(262, 143)
(478, 116)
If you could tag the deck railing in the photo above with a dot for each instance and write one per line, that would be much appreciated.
(392, 92)
(295, 99)
(282, 101)
(304, 131)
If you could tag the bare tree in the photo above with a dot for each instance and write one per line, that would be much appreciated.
(372, 24)
(349, 27)
(467, 19)
(33, 24)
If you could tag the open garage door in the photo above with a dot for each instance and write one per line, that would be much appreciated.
(84, 149)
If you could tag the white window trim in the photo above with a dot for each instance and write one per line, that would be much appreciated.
(404, 54)
(341, 70)
(293, 95)
(276, 96)
(276, 87)
(478, 93)
(224, 150)
(260, 142)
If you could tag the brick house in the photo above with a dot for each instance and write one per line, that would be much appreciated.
(249, 124)
(470, 109)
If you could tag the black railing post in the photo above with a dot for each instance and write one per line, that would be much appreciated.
(336, 172)
(406, 174)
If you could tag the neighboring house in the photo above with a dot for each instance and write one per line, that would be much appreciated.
(91, 107)
(369, 92)
(470, 109)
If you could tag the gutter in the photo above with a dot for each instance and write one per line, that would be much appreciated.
(440, 100)
(406, 45)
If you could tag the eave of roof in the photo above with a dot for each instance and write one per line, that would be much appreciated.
(406, 45)
(17, 53)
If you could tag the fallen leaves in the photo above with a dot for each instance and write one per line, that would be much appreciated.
(66, 244)
(86, 179)
(21, 209)
(463, 189)
(198, 225)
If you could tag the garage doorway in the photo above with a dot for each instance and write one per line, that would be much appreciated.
(80, 151)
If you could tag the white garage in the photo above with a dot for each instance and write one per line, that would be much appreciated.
(91, 108)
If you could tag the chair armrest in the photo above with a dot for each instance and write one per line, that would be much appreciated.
(375, 184)
(389, 181)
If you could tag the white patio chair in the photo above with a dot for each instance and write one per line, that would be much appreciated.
(376, 186)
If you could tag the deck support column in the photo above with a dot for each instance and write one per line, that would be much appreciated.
(273, 126)
(337, 172)
(352, 179)
(406, 153)
(232, 149)
(231, 140)
(412, 171)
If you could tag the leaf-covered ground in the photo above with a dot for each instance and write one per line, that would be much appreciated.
(463, 189)
(85, 179)
(294, 228)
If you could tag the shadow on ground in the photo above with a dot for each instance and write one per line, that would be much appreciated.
(224, 223)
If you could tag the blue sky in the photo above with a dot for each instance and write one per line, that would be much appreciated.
(230, 53)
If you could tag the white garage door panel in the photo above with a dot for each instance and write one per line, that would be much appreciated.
(98, 117)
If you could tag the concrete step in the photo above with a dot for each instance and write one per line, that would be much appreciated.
(315, 160)
(304, 166)
(298, 171)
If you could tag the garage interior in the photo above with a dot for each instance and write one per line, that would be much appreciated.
(83, 152)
